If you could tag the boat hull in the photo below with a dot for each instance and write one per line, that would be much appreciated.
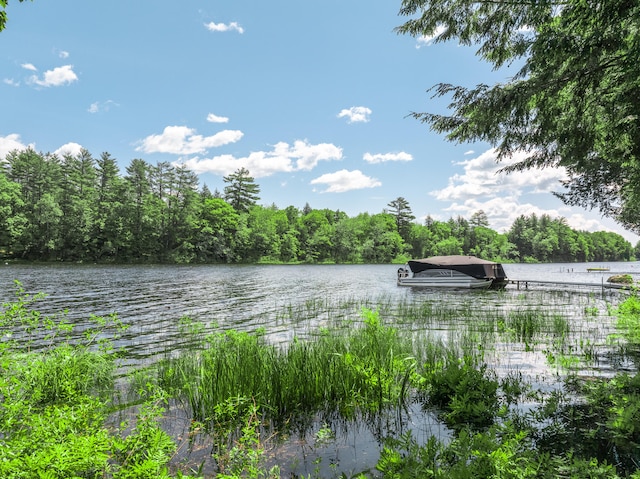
(463, 283)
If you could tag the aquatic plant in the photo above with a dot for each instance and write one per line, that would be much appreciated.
(147, 449)
(245, 458)
(604, 425)
(240, 387)
(363, 369)
(464, 392)
(503, 451)
(628, 318)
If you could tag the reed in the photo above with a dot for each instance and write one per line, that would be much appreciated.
(525, 324)
(239, 383)
(347, 371)
(360, 367)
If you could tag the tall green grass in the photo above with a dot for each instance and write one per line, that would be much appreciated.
(361, 369)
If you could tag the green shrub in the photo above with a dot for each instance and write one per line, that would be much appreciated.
(465, 394)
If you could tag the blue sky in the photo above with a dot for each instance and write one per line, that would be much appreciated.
(311, 97)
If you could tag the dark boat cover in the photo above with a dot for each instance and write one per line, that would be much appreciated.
(469, 265)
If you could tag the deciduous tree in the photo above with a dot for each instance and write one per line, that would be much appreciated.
(11, 221)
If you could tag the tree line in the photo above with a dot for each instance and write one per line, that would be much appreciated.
(81, 208)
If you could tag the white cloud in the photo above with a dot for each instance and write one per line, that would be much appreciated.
(224, 27)
(481, 179)
(345, 180)
(427, 40)
(72, 149)
(283, 158)
(104, 106)
(384, 157)
(11, 82)
(356, 114)
(63, 54)
(182, 140)
(502, 196)
(259, 164)
(503, 211)
(11, 142)
(217, 119)
(580, 222)
(306, 155)
(29, 66)
(63, 75)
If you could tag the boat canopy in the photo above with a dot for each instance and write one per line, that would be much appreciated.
(470, 265)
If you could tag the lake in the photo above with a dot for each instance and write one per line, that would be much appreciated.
(294, 300)
(151, 299)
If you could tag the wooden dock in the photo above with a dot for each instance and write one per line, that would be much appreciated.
(524, 283)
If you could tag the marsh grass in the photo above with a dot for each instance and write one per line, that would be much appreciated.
(62, 374)
(355, 370)
(351, 367)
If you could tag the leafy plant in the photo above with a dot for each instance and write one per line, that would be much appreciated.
(147, 449)
(628, 314)
(465, 393)
(55, 402)
(245, 458)
(502, 451)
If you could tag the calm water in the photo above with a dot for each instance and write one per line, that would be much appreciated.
(295, 300)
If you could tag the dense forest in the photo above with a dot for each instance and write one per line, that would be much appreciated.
(81, 208)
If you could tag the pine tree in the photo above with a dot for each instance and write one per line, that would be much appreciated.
(241, 191)
(402, 211)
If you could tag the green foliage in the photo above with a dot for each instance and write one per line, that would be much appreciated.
(378, 358)
(77, 208)
(628, 322)
(245, 459)
(54, 410)
(572, 103)
(366, 369)
(56, 399)
(525, 324)
(465, 394)
(51, 422)
(605, 425)
(546, 239)
(57, 441)
(402, 211)
(146, 451)
(503, 451)
(241, 191)
(62, 374)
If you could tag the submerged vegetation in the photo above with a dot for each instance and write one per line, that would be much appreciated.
(70, 409)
